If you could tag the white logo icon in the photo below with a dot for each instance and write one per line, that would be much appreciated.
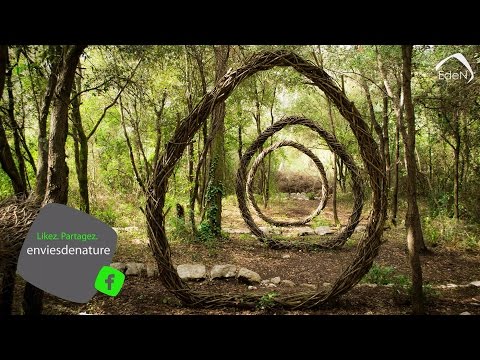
(447, 75)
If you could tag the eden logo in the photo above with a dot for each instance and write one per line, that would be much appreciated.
(109, 281)
(447, 75)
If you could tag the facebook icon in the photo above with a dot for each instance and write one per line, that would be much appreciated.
(109, 281)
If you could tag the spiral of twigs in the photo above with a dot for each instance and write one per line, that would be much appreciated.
(323, 178)
(369, 244)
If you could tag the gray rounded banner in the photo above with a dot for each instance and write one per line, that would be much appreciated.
(64, 250)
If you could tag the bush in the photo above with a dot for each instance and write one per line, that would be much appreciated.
(445, 231)
(380, 275)
(108, 216)
(298, 183)
(180, 230)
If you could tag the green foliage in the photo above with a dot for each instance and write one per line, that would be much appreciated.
(380, 275)
(210, 229)
(311, 195)
(180, 231)
(402, 284)
(319, 221)
(6, 189)
(107, 215)
(445, 231)
(206, 233)
(267, 301)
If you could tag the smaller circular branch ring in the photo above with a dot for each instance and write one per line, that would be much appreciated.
(318, 164)
(335, 241)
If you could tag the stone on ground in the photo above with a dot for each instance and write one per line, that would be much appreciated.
(270, 230)
(465, 313)
(289, 283)
(236, 231)
(286, 256)
(223, 271)
(191, 271)
(305, 231)
(275, 280)
(135, 269)
(309, 286)
(152, 270)
(324, 230)
(475, 283)
(248, 276)
(119, 266)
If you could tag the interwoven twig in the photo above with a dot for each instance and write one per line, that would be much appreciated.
(368, 245)
(323, 178)
(16, 218)
(333, 242)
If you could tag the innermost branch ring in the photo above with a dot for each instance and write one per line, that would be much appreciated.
(323, 177)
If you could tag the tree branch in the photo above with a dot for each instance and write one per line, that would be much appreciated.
(114, 100)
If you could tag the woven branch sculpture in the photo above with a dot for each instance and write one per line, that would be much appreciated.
(333, 242)
(369, 244)
(323, 178)
(16, 218)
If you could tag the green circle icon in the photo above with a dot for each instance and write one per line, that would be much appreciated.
(109, 281)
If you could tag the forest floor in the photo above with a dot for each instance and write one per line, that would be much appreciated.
(142, 295)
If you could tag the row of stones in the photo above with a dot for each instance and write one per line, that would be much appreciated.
(198, 272)
(294, 231)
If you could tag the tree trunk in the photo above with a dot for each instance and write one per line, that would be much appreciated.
(217, 155)
(269, 162)
(17, 142)
(396, 173)
(386, 142)
(202, 181)
(8, 163)
(57, 173)
(334, 184)
(466, 151)
(398, 109)
(42, 157)
(258, 122)
(81, 149)
(3, 67)
(456, 177)
(412, 221)
(240, 142)
(7, 266)
(456, 173)
(130, 149)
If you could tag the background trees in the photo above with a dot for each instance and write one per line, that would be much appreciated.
(89, 136)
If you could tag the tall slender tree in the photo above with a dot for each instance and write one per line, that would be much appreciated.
(215, 188)
(412, 220)
(57, 174)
